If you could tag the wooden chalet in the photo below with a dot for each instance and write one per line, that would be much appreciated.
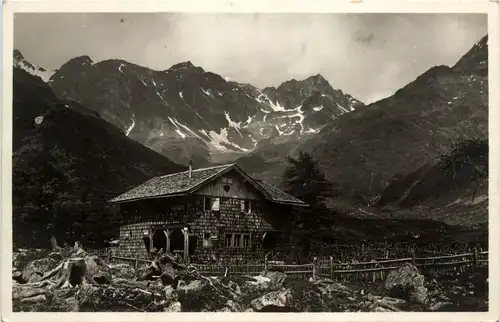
(211, 214)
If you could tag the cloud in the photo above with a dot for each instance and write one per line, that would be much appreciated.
(366, 55)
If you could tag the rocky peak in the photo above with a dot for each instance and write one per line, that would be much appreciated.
(475, 60)
(78, 62)
(17, 55)
(186, 66)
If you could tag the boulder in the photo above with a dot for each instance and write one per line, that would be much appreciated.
(329, 288)
(199, 296)
(277, 278)
(193, 286)
(174, 307)
(419, 295)
(231, 306)
(402, 282)
(276, 299)
(125, 271)
(38, 299)
(37, 268)
(257, 283)
(17, 276)
(98, 270)
(384, 304)
(20, 291)
(168, 275)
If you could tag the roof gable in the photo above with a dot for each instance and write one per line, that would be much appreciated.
(180, 183)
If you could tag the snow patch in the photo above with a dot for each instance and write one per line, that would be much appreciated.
(249, 120)
(342, 108)
(219, 139)
(45, 75)
(120, 68)
(182, 135)
(179, 126)
(311, 130)
(235, 125)
(207, 92)
(181, 95)
(157, 93)
(131, 126)
(318, 108)
(262, 98)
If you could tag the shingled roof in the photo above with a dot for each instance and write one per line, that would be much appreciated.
(178, 184)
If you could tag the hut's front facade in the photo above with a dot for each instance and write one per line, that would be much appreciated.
(211, 214)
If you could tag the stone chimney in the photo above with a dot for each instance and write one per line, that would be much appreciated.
(190, 168)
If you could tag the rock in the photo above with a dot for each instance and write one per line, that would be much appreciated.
(277, 278)
(327, 286)
(457, 290)
(87, 297)
(279, 299)
(384, 304)
(56, 256)
(122, 271)
(168, 275)
(232, 306)
(98, 270)
(20, 291)
(441, 306)
(146, 272)
(257, 283)
(419, 295)
(17, 276)
(234, 287)
(193, 286)
(401, 282)
(174, 307)
(169, 293)
(34, 278)
(38, 267)
(199, 296)
(34, 300)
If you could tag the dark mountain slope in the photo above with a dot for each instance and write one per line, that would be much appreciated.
(67, 162)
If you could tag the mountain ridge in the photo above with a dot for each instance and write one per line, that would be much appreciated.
(185, 103)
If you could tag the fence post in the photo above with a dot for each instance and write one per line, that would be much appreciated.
(137, 267)
(315, 259)
(265, 262)
(331, 267)
(413, 261)
(474, 260)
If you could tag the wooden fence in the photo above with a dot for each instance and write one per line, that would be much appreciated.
(371, 271)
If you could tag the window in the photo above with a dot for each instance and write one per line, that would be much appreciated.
(246, 206)
(237, 240)
(211, 204)
(228, 241)
(246, 241)
(207, 241)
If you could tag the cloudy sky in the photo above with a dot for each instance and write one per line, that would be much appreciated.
(369, 56)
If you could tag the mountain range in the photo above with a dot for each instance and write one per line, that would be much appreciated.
(186, 113)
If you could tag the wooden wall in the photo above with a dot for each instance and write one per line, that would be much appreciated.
(238, 188)
(142, 218)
